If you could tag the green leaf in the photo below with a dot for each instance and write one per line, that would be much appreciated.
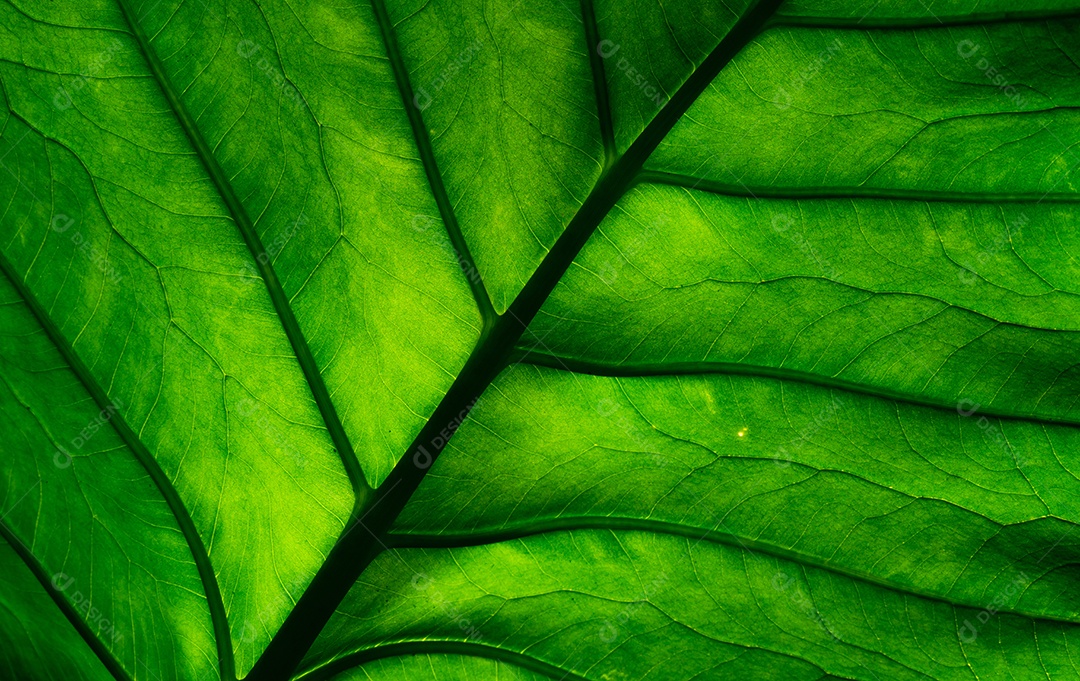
(30, 619)
(596, 340)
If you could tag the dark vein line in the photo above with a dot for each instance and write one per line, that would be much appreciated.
(356, 550)
(904, 23)
(462, 648)
(551, 361)
(106, 656)
(848, 193)
(616, 524)
(603, 101)
(149, 463)
(431, 166)
(361, 489)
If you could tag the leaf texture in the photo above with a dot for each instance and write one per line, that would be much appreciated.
(386, 339)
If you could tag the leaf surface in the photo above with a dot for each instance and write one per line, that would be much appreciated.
(402, 340)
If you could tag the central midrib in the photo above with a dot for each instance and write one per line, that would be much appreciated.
(363, 541)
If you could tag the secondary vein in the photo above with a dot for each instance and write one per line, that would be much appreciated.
(464, 648)
(78, 623)
(848, 193)
(431, 166)
(172, 498)
(412, 540)
(361, 489)
(932, 21)
(603, 101)
(553, 361)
